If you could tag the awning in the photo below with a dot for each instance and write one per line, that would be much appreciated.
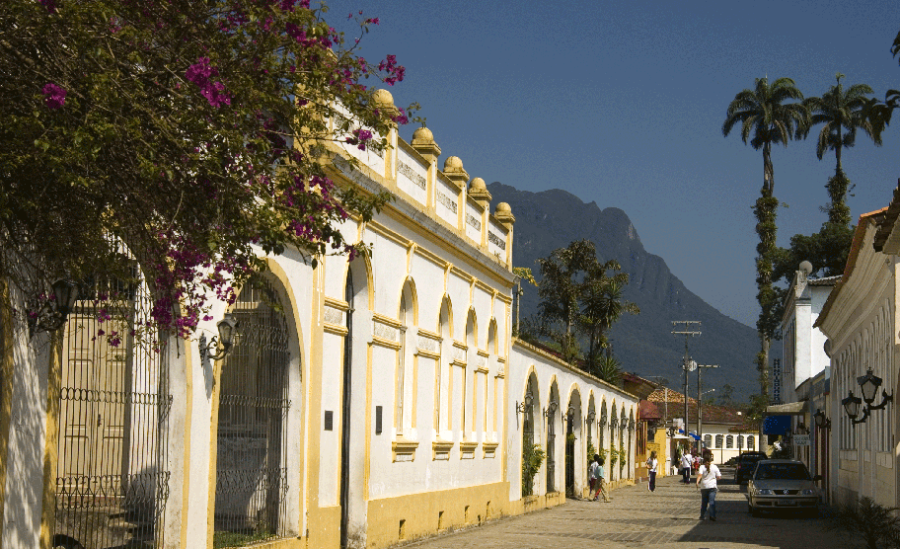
(789, 409)
(679, 437)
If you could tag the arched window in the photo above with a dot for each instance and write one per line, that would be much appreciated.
(707, 441)
(720, 440)
(751, 442)
(729, 441)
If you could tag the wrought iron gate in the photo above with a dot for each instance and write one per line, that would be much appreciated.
(112, 481)
(570, 462)
(251, 471)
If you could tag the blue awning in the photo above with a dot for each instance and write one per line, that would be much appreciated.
(776, 425)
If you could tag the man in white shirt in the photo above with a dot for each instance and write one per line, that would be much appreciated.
(687, 460)
(707, 477)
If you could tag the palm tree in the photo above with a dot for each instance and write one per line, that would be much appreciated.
(841, 113)
(602, 306)
(766, 119)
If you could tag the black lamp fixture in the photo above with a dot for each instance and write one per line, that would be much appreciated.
(522, 407)
(631, 424)
(591, 416)
(226, 327)
(52, 314)
(551, 408)
(869, 384)
(851, 406)
(822, 422)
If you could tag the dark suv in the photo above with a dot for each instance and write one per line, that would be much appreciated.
(745, 465)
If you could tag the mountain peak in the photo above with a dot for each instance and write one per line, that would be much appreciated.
(551, 219)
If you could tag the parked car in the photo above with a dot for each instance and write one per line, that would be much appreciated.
(782, 484)
(746, 462)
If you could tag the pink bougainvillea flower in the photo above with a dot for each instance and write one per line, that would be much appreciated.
(54, 96)
(49, 4)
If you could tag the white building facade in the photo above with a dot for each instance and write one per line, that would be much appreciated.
(364, 403)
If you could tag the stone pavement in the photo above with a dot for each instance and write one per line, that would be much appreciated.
(665, 519)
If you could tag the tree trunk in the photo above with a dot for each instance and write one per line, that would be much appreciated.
(765, 211)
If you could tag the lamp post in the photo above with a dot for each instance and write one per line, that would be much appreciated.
(687, 364)
(700, 394)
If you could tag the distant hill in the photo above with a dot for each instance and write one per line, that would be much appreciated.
(643, 343)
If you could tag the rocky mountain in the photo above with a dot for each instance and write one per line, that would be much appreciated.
(643, 343)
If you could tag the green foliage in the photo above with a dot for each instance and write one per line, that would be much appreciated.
(841, 112)
(623, 457)
(765, 113)
(613, 456)
(223, 539)
(607, 368)
(590, 451)
(194, 132)
(876, 526)
(580, 294)
(532, 458)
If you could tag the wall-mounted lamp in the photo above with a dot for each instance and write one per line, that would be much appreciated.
(631, 424)
(52, 314)
(591, 416)
(551, 408)
(226, 327)
(869, 384)
(522, 407)
(822, 422)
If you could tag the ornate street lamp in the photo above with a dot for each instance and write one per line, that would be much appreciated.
(591, 416)
(522, 407)
(226, 327)
(52, 314)
(851, 407)
(551, 408)
(870, 384)
(822, 422)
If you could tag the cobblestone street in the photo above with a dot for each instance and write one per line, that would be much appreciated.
(666, 519)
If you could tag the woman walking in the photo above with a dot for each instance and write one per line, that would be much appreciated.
(706, 482)
(652, 464)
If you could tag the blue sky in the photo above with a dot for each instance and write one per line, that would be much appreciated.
(622, 103)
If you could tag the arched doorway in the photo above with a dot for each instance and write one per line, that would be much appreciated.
(551, 415)
(573, 432)
(531, 402)
(252, 437)
(112, 471)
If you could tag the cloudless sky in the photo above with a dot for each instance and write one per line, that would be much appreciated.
(623, 102)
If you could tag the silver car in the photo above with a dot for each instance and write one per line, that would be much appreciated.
(782, 484)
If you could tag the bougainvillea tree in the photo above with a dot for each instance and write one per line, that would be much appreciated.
(191, 131)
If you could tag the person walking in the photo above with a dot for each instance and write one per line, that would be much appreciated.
(687, 461)
(707, 478)
(652, 464)
(597, 469)
(593, 472)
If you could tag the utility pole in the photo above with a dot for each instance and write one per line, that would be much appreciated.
(687, 328)
(700, 368)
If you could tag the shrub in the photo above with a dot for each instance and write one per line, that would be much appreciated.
(532, 458)
(876, 526)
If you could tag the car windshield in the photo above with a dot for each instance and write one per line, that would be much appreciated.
(750, 458)
(781, 471)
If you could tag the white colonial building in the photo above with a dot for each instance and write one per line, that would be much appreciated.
(860, 321)
(362, 403)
